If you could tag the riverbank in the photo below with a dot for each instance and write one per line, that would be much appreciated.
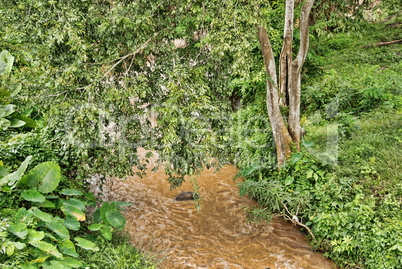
(346, 184)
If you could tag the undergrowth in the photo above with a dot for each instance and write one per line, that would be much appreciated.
(346, 183)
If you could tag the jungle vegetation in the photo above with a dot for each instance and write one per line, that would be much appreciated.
(78, 79)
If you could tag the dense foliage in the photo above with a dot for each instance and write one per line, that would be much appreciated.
(345, 185)
(39, 214)
(87, 74)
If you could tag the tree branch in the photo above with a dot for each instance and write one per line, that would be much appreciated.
(143, 46)
(383, 43)
(294, 219)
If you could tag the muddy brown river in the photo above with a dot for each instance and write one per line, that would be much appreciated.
(216, 237)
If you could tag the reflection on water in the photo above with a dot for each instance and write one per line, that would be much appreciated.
(216, 237)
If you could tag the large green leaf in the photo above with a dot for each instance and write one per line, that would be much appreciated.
(116, 219)
(33, 196)
(23, 215)
(105, 208)
(6, 62)
(48, 248)
(73, 211)
(35, 236)
(30, 123)
(86, 244)
(58, 229)
(67, 247)
(14, 177)
(45, 176)
(97, 216)
(75, 203)
(16, 123)
(6, 110)
(4, 124)
(73, 263)
(71, 223)
(41, 215)
(19, 229)
(70, 192)
(46, 204)
(107, 232)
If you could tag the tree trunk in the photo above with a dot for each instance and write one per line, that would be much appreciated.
(289, 80)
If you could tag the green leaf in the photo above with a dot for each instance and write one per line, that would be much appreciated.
(35, 236)
(54, 265)
(73, 211)
(71, 192)
(97, 216)
(86, 244)
(14, 177)
(107, 232)
(289, 180)
(67, 247)
(95, 227)
(46, 204)
(105, 208)
(120, 204)
(116, 219)
(4, 124)
(19, 229)
(10, 250)
(23, 215)
(308, 144)
(28, 266)
(47, 175)
(6, 62)
(71, 223)
(90, 196)
(309, 173)
(48, 248)
(296, 157)
(250, 169)
(41, 215)
(58, 229)
(33, 196)
(18, 245)
(73, 263)
(6, 110)
(16, 123)
(75, 203)
(30, 123)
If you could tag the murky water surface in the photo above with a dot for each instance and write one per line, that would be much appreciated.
(216, 237)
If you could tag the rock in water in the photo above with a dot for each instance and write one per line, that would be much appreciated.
(184, 196)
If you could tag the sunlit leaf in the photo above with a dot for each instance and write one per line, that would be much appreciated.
(58, 229)
(33, 196)
(19, 229)
(71, 192)
(46, 217)
(95, 227)
(116, 219)
(67, 247)
(86, 244)
(45, 176)
(14, 177)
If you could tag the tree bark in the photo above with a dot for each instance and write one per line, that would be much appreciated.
(295, 89)
(289, 80)
(285, 59)
(281, 134)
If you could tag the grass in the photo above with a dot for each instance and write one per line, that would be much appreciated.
(117, 254)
